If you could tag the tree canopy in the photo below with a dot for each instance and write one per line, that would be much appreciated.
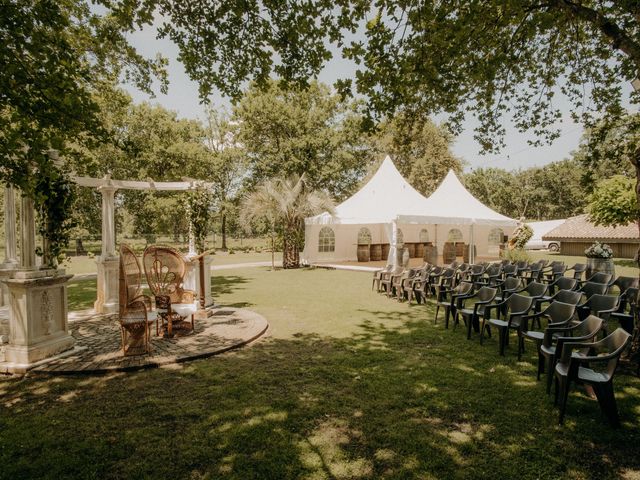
(291, 131)
(416, 56)
(613, 202)
(541, 193)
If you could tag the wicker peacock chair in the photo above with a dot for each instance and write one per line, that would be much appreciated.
(136, 313)
(165, 269)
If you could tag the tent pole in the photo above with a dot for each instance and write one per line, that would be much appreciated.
(472, 258)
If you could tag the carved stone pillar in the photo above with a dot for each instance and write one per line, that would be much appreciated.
(107, 282)
(38, 318)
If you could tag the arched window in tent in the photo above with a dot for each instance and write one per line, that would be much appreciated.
(326, 240)
(424, 235)
(364, 236)
(494, 240)
(455, 235)
(495, 236)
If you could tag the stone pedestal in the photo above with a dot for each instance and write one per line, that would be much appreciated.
(5, 274)
(192, 278)
(107, 286)
(37, 318)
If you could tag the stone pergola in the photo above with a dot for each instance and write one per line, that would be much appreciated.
(107, 283)
(33, 300)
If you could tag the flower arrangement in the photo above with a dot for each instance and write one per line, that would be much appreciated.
(599, 250)
(521, 235)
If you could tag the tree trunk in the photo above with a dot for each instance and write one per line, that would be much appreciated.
(273, 253)
(634, 351)
(224, 231)
(290, 251)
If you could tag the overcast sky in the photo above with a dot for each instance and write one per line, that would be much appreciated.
(183, 98)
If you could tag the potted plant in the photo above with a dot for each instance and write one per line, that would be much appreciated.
(599, 259)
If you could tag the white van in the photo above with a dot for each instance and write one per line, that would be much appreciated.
(540, 229)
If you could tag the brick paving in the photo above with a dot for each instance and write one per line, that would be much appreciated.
(98, 348)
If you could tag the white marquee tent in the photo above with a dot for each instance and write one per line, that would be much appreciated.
(387, 207)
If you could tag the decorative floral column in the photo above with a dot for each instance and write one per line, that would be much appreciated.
(107, 284)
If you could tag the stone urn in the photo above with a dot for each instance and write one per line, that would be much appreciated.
(600, 265)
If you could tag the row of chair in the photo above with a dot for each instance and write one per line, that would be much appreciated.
(516, 297)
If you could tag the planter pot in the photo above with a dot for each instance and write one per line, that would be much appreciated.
(600, 265)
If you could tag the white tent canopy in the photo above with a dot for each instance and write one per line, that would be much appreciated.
(452, 203)
(388, 210)
(385, 195)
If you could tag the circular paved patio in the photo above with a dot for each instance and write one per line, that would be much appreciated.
(98, 348)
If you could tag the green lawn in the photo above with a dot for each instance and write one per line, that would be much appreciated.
(349, 384)
(85, 264)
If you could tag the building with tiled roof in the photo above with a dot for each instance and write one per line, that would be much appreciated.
(577, 233)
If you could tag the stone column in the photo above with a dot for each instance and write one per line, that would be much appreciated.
(10, 242)
(8, 267)
(107, 284)
(27, 235)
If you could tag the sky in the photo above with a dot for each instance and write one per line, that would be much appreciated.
(182, 97)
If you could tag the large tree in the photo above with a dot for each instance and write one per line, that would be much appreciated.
(226, 167)
(293, 131)
(539, 193)
(54, 56)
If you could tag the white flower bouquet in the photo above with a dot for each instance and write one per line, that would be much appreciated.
(599, 250)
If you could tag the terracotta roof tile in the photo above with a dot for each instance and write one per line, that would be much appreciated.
(580, 228)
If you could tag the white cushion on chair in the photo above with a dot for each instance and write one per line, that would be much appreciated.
(184, 309)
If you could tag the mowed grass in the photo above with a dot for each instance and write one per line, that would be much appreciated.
(349, 384)
(85, 264)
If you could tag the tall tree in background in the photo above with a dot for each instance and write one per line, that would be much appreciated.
(421, 150)
(289, 131)
(540, 193)
(146, 142)
(227, 168)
